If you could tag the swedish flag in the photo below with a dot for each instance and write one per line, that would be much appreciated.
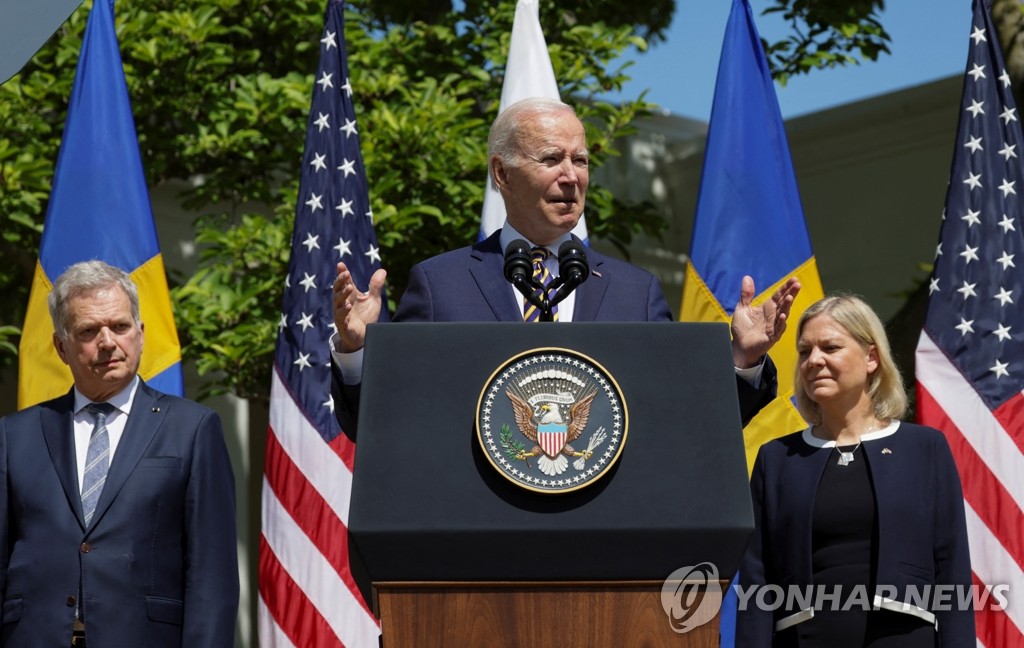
(99, 209)
(749, 219)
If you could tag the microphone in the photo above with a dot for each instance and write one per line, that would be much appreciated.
(573, 269)
(519, 273)
(518, 265)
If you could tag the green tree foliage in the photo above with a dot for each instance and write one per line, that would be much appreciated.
(650, 18)
(1008, 18)
(825, 35)
(221, 90)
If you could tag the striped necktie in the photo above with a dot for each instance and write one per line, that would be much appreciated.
(540, 274)
(97, 459)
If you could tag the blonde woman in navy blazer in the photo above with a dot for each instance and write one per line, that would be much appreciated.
(858, 500)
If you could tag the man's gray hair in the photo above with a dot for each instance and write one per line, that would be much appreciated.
(85, 277)
(503, 139)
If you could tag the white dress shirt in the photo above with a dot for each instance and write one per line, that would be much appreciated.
(84, 423)
(567, 306)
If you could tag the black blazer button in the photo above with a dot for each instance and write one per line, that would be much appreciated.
(71, 601)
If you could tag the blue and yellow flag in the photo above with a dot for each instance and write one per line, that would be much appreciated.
(99, 209)
(749, 219)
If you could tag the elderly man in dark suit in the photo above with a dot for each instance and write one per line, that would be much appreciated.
(117, 502)
(539, 163)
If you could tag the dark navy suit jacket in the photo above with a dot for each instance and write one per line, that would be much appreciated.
(922, 533)
(156, 567)
(469, 285)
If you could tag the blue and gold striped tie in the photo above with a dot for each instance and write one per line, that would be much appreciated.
(540, 273)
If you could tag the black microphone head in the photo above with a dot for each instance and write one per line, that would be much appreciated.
(572, 261)
(517, 260)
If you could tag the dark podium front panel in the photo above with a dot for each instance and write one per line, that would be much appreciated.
(427, 504)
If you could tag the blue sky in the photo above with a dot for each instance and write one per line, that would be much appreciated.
(929, 42)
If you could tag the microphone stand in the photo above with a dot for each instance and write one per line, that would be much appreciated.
(529, 287)
(573, 270)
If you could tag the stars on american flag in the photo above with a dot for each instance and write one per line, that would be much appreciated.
(306, 482)
(311, 242)
(333, 192)
(308, 282)
(329, 40)
(975, 293)
(345, 207)
(325, 81)
(970, 356)
(343, 247)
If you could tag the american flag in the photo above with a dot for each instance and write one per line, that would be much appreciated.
(970, 358)
(307, 593)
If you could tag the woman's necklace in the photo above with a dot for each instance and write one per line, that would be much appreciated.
(846, 457)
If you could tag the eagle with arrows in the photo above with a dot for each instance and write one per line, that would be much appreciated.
(552, 421)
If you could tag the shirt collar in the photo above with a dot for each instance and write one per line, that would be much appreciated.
(122, 400)
(509, 234)
(815, 442)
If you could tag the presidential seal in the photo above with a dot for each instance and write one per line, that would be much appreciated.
(551, 420)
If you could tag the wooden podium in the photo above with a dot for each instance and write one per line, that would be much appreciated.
(451, 553)
(598, 614)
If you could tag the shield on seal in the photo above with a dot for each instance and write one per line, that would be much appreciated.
(551, 438)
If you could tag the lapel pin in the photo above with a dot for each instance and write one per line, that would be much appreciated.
(886, 451)
(156, 409)
(595, 273)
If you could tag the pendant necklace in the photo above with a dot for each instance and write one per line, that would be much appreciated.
(846, 457)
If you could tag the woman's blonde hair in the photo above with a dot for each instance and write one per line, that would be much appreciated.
(885, 386)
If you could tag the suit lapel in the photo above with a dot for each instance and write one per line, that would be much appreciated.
(489, 274)
(58, 426)
(802, 486)
(139, 430)
(887, 475)
(590, 293)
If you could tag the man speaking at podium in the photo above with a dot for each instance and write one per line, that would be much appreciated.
(539, 163)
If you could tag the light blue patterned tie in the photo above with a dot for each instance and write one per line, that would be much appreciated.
(97, 459)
